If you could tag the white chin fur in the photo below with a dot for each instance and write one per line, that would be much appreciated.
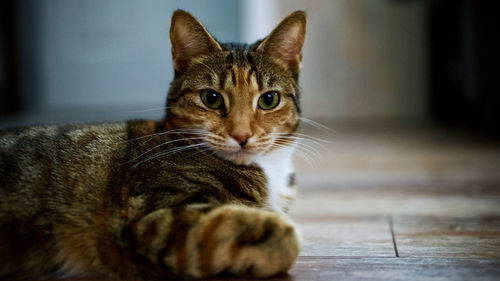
(239, 158)
(277, 166)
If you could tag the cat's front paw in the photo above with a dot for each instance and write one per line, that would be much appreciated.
(246, 242)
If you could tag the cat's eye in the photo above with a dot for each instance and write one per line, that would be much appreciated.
(212, 99)
(269, 100)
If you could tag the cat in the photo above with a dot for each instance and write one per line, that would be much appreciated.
(202, 192)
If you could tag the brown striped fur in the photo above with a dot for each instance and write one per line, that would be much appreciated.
(131, 200)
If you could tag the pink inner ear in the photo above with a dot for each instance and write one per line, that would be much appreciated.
(186, 47)
(290, 47)
(292, 39)
(183, 43)
(286, 45)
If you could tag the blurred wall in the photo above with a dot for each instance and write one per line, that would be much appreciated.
(109, 52)
(362, 58)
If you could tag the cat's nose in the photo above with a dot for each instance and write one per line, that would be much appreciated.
(241, 136)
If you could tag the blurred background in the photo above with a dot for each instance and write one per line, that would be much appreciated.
(388, 61)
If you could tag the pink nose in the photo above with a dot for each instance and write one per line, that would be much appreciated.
(241, 136)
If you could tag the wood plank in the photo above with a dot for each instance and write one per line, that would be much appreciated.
(326, 195)
(423, 153)
(383, 203)
(321, 268)
(472, 237)
(345, 236)
(385, 269)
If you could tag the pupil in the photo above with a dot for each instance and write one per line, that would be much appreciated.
(211, 98)
(268, 99)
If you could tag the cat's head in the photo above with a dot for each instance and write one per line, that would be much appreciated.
(242, 101)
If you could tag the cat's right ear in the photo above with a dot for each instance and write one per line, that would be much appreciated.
(189, 40)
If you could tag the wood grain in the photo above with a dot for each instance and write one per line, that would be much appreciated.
(461, 237)
(345, 236)
(321, 268)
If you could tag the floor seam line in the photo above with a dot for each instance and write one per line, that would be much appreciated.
(391, 228)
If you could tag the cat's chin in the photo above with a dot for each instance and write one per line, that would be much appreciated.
(240, 157)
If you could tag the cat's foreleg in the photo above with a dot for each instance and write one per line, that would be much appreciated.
(202, 241)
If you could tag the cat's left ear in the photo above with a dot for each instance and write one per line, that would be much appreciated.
(286, 40)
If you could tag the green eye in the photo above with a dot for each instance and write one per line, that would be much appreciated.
(212, 99)
(269, 100)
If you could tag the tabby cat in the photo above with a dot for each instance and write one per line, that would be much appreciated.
(199, 193)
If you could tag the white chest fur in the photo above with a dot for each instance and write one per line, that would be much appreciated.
(278, 168)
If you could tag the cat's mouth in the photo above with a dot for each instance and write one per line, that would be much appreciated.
(240, 154)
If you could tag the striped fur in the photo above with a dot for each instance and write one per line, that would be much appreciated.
(168, 198)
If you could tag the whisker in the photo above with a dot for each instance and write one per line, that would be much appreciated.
(175, 131)
(181, 148)
(299, 153)
(198, 152)
(215, 137)
(168, 152)
(182, 131)
(212, 152)
(304, 141)
(299, 149)
(298, 146)
(300, 139)
(313, 152)
(146, 136)
(148, 109)
(163, 144)
(299, 143)
(302, 135)
(316, 124)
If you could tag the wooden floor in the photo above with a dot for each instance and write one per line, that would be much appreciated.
(399, 204)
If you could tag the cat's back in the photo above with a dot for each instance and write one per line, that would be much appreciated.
(62, 143)
(41, 136)
(37, 160)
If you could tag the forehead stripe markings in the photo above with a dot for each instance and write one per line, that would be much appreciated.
(229, 61)
(249, 76)
(241, 77)
(222, 79)
(233, 76)
(260, 83)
